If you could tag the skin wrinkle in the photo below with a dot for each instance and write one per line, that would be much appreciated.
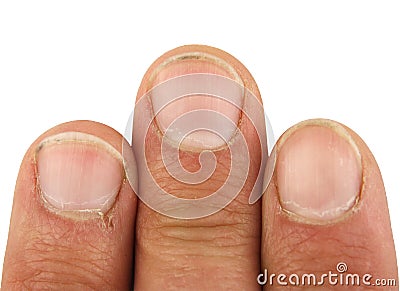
(157, 167)
(174, 235)
(178, 189)
(58, 285)
(232, 219)
(298, 251)
(42, 247)
(44, 285)
(175, 249)
(83, 272)
(240, 239)
(235, 220)
(234, 275)
(47, 276)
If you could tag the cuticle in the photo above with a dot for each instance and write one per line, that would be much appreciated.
(195, 55)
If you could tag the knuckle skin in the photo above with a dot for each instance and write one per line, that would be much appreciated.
(223, 247)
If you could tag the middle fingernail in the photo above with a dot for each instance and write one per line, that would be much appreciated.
(211, 92)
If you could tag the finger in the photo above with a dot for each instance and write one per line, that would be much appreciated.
(72, 222)
(326, 211)
(215, 251)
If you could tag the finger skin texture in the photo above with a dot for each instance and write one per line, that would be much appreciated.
(51, 249)
(46, 250)
(361, 238)
(218, 252)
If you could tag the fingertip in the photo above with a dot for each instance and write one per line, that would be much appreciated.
(323, 165)
(60, 205)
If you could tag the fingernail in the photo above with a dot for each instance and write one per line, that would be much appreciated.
(78, 172)
(319, 173)
(200, 77)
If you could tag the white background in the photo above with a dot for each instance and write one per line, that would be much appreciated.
(67, 60)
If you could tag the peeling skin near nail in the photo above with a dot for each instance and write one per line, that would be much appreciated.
(82, 214)
(104, 201)
(105, 212)
(327, 216)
